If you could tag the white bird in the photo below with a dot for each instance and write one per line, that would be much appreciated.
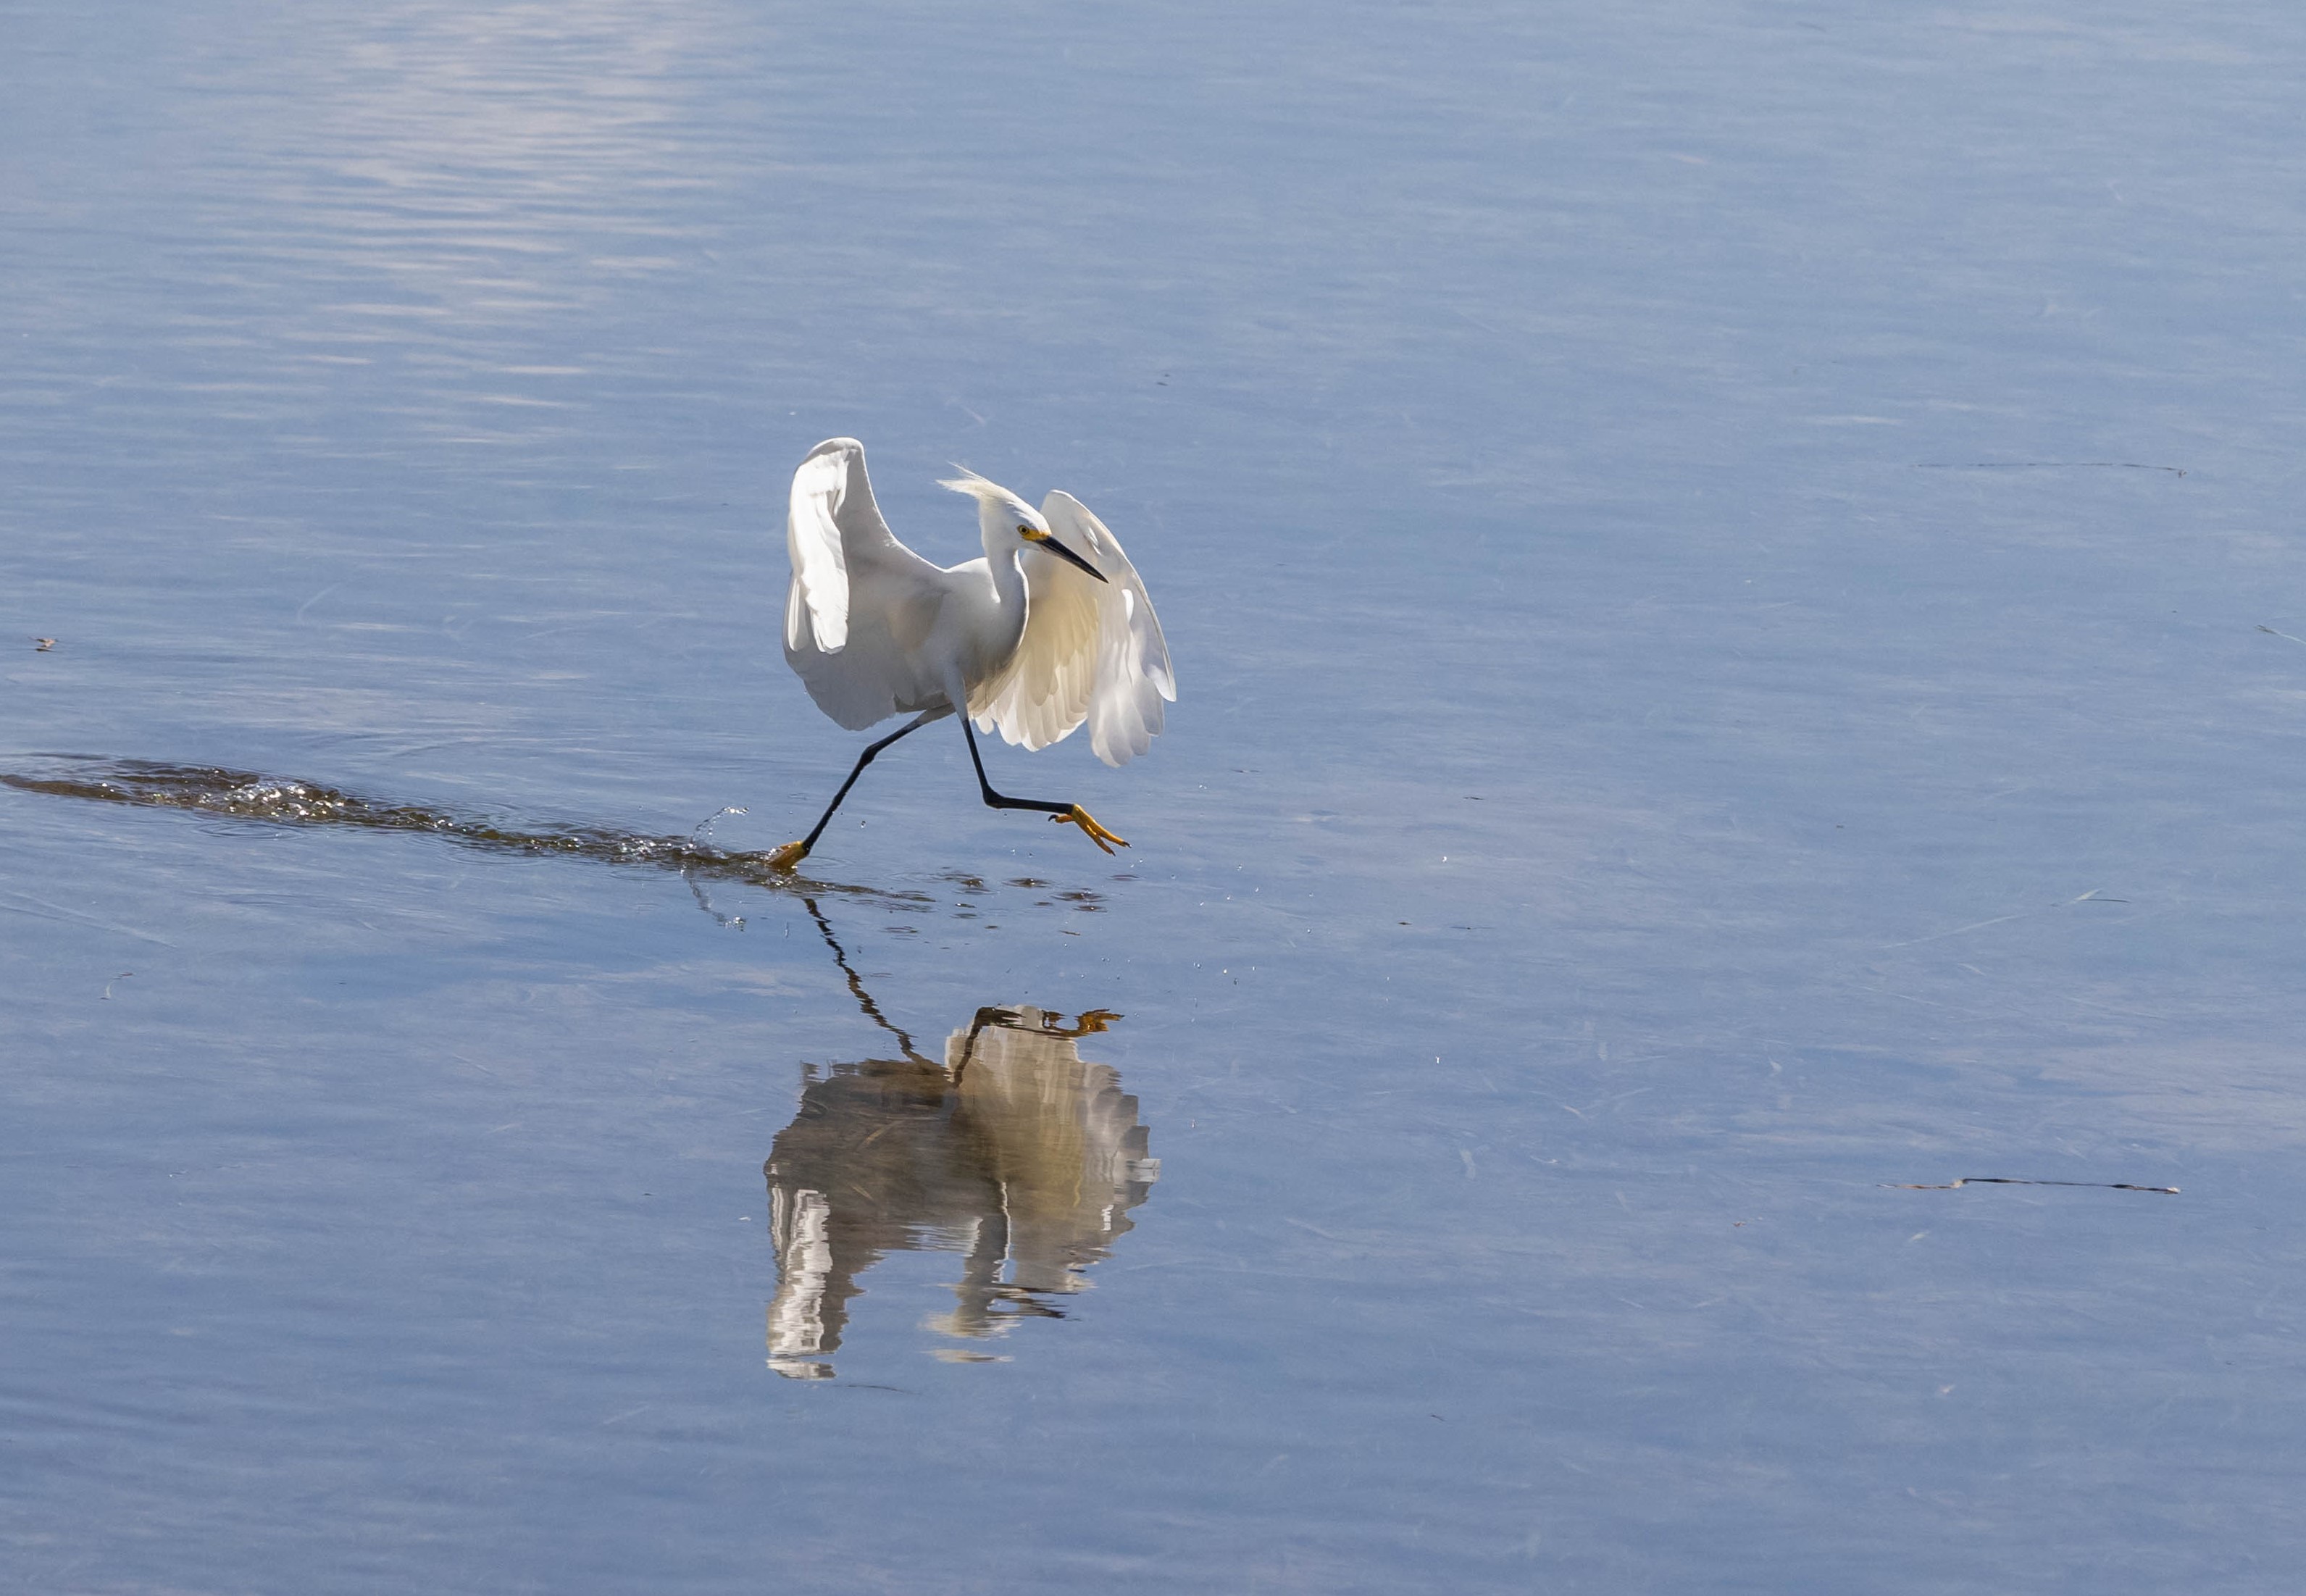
(1051, 629)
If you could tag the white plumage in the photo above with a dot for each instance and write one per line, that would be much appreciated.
(845, 560)
(1051, 629)
(1092, 651)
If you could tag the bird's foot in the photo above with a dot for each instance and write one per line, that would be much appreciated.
(1096, 833)
(789, 856)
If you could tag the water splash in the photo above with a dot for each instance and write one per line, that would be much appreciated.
(243, 795)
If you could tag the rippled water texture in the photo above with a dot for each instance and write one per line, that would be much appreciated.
(1703, 997)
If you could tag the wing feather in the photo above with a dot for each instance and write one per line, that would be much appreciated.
(1092, 651)
(861, 601)
(1043, 693)
(1135, 676)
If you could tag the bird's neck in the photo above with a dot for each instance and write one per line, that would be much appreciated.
(1003, 559)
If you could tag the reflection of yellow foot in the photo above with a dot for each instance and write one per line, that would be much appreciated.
(789, 855)
(1096, 833)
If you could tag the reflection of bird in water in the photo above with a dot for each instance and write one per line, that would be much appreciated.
(1052, 629)
(1015, 1152)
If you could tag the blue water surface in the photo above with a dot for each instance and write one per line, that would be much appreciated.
(1735, 580)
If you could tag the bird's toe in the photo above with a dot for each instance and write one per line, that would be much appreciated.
(1095, 832)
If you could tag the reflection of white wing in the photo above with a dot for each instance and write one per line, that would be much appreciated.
(860, 603)
(800, 1220)
(1061, 1140)
(1092, 651)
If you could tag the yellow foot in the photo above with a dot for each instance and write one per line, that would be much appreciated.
(1095, 832)
(789, 855)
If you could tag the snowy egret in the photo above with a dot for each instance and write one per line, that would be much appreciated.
(1052, 629)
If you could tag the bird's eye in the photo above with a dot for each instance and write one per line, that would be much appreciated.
(1024, 532)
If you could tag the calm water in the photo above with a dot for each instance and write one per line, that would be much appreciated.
(1742, 636)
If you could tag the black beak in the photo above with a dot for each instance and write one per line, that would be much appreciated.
(1067, 555)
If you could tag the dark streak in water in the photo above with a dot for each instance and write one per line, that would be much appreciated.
(2046, 466)
(241, 795)
(1996, 1180)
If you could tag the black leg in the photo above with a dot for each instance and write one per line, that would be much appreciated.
(1064, 814)
(792, 853)
(998, 800)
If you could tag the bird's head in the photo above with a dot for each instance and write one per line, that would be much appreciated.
(1009, 523)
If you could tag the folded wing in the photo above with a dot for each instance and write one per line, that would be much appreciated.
(860, 604)
(1092, 651)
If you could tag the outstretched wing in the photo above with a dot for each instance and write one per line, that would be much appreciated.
(861, 603)
(1092, 651)
(1133, 674)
